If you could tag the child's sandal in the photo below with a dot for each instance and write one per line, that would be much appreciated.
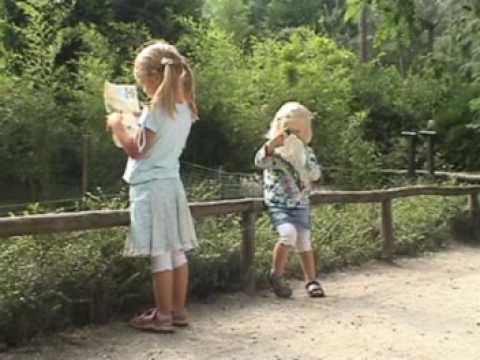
(280, 286)
(180, 318)
(152, 320)
(314, 289)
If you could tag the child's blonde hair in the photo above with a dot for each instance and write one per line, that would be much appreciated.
(297, 116)
(161, 59)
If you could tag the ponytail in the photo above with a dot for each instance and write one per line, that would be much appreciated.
(189, 89)
(165, 94)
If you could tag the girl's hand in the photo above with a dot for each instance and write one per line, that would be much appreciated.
(301, 185)
(277, 141)
(113, 120)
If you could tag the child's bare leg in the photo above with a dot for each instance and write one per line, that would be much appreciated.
(279, 285)
(307, 261)
(287, 238)
(162, 287)
(280, 257)
(180, 286)
(304, 248)
(162, 269)
(160, 318)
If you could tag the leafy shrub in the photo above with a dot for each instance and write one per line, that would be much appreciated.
(393, 103)
(457, 137)
(240, 91)
(421, 223)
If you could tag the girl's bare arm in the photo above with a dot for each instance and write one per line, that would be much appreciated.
(130, 144)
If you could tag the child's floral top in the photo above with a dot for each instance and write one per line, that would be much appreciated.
(281, 186)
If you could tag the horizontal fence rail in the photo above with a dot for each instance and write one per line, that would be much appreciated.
(462, 176)
(97, 219)
(390, 194)
(249, 208)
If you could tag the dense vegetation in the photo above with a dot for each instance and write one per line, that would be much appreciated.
(369, 69)
(420, 61)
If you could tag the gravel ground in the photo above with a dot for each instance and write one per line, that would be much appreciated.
(418, 308)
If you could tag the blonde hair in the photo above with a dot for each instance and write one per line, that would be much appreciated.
(163, 60)
(296, 114)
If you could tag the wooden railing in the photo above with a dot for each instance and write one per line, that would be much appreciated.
(249, 209)
(449, 175)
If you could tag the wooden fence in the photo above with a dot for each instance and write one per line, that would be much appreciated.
(448, 175)
(249, 208)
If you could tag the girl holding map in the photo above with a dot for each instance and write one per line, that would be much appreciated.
(161, 223)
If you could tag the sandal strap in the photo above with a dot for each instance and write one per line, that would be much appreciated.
(313, 282)
(314, 289)
(280, 286)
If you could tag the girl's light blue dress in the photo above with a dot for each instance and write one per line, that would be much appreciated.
(160, 217)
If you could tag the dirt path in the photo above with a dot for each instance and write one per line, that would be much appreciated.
(421, 308)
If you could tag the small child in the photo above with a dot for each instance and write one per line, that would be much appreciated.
(286, 192)
(161, 223)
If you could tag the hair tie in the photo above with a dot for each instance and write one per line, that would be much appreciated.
(167, 61)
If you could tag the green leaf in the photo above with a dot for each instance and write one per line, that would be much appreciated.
(354, 9)
(475, 104)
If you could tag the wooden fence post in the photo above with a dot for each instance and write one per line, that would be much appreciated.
(473, 200)
(387, 229)
(247, 251)
(412, 135)
(430, 135)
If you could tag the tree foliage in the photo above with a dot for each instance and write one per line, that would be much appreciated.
(249, 57)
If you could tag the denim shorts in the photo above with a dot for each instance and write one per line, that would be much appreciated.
(298, 216)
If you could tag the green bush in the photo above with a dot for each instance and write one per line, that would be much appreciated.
(457, 137)
(421, 223)
(393, 103)
(240, 91)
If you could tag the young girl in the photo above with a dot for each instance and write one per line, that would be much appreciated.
(161, 222)
(286, 192)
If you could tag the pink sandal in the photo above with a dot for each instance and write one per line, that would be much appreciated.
(153, 320)
(180, 318)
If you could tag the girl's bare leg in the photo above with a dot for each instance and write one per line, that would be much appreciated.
(180, 287)
(163, 291)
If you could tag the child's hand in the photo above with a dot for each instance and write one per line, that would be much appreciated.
(301, 185)
(277, 141)
(113, 120)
